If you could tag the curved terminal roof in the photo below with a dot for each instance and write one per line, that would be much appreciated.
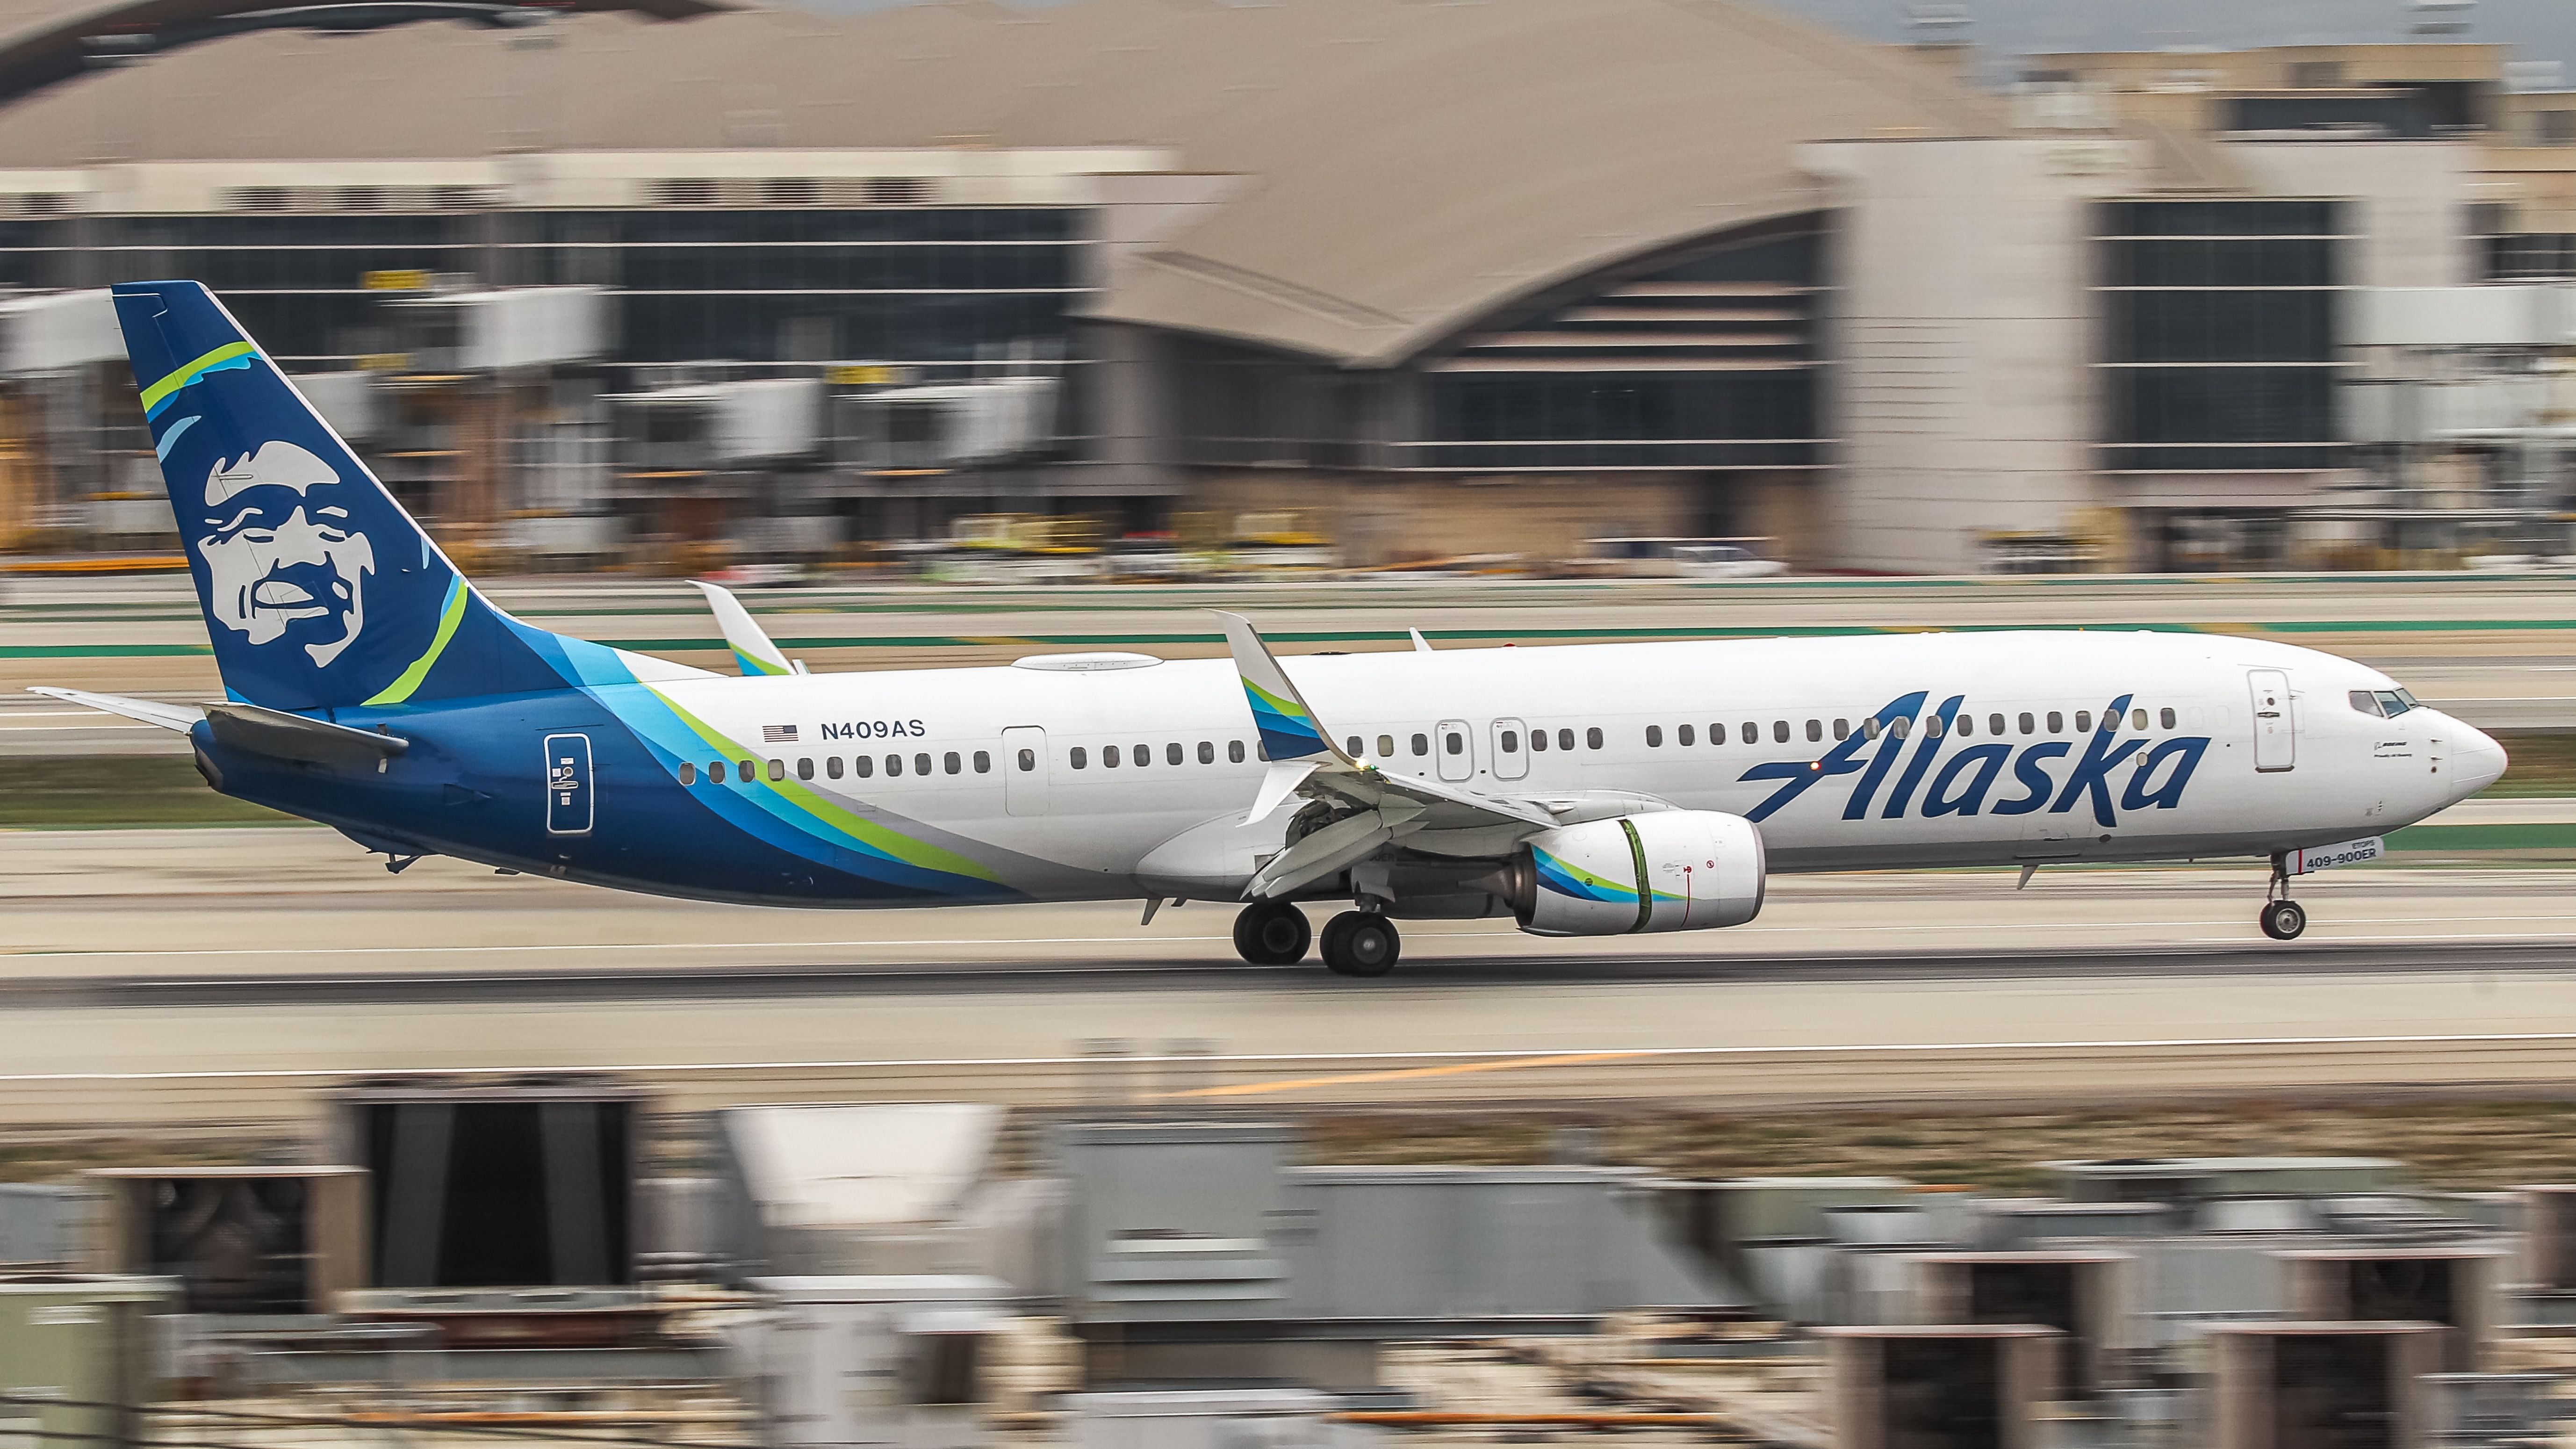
(1409, 166)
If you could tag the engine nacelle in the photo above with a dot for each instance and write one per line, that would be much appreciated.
(1670, 870)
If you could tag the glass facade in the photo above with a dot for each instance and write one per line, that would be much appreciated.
(903, 285)
(2219, 334)
(1708, 362)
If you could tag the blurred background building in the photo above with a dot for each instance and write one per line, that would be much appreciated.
(667, 284)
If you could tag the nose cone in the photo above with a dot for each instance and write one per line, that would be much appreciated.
(2477, 761)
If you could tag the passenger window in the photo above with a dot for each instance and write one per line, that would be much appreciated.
(1261, 751)
(983, 762)
(1350, 747)
(1076, 757)
(1752, 733)
(832, 766)
(1869, 728)
(2027, 725)
(747, 771)
(716, 772)
(1144, 756)
(1421, 744)
(1386, 747)
(1932, 725)
(1028, 761)
(1538, 740)
(1453, 742)
(921, 764)
(2165, 717)
(1965, 724)
(1111, 757)
(805, 767)
(1511, 742)
(1815, 730)
(1654, 737)
(2056, 723)
(1780, 730)
(2138, 718)
(1565, 739)
(1994, 724)
(1234, 751)
(1592, 737)
(951, 763)
(863, 765)
(1207, 753)
(1842, 729)
(688, 772)
(1901, 728)
(1172, 754)
(2084, 721)
(1681, 734)
(894, 766)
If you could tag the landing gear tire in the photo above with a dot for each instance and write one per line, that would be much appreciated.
(1361, 943)
(1272, 933)
(2283, 920)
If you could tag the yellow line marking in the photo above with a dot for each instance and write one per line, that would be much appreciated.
(1409, 1074)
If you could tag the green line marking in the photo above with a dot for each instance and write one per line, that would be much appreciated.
(448, 618)
(2484, 837)
(188, 372)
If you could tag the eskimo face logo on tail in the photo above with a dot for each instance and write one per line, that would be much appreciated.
(282, 560)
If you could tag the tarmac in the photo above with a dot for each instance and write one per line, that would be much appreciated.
(230, 977)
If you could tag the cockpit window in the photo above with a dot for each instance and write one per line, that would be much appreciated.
(2408, 696)
(2394, 702)
(2364, 700)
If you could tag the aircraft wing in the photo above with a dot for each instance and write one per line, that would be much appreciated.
(751, 645)
(1380, 806)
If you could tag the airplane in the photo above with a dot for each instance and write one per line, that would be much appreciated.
(1583, 790)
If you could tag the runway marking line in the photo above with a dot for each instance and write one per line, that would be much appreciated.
(1740, 933)
(1405, 1074)
(1492, 1061)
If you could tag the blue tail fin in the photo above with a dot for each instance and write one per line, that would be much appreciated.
(320, 592)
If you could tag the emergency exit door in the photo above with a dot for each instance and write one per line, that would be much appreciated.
(1024, 770)
(2276, 745)
(568, 808)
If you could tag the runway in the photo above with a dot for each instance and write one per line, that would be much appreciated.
(159, 979)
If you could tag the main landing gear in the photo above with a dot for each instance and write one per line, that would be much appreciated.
(1360, 943)
(2282, 918)
(1272, 933)
(1356, 943)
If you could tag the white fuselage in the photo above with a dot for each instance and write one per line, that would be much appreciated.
(1668, 722)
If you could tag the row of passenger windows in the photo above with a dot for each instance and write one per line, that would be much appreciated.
(1966, 725)
(862, 766)
(1142, 755)
(1453, 742)
(952, 762)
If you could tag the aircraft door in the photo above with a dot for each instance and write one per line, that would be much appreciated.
(568, 789)
(2276, 744)
(1511, 749)
(1453, 749)
(1024, 770)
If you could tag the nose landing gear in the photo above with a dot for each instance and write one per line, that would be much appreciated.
(2282, 918)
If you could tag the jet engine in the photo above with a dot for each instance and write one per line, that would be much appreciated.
(1671, 870)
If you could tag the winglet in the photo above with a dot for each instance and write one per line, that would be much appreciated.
(751, 646)
(1289, 730)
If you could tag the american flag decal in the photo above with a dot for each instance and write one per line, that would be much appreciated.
(778, 734)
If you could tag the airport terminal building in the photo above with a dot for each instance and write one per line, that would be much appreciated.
(664, 281)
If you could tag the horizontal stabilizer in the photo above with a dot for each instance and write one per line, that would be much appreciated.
(293, 737)
(180, 717)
